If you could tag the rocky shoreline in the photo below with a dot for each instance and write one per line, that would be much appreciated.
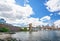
(9, 39)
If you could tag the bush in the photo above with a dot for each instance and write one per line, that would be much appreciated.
(25, 29)
(4, 29)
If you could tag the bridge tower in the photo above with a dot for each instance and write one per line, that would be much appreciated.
(30, 27)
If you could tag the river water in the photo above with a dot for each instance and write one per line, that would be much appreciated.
(38, 36)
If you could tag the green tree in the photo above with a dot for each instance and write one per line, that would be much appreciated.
(25, 29)
(4, 29)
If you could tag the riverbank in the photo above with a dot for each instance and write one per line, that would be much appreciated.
(7, 37)
(4, 35)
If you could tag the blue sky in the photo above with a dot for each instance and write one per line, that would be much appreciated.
(37, 12)
(39, 9)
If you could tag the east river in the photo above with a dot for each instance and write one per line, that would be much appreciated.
(38, 36)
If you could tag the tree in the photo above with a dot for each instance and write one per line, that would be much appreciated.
(4, 29)
(25, 29)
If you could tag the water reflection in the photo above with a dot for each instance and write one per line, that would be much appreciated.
(38, 36)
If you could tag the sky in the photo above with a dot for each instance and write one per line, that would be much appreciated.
(24, 12)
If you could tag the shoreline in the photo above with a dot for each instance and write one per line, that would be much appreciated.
(4, 35)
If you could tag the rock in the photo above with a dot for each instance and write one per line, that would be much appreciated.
(9, 39)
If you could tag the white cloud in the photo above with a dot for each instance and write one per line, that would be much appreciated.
(59, 13)
(25, 2)
(45, 18)
(16, 14)
(51, 14)
(11, 11)
(57, 23)
(53, 5)
(35, 21)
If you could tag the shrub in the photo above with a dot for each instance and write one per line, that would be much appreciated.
(4, 29)
(25, 29)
